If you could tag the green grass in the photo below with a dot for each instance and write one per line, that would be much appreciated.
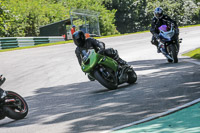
(71, 41)
(64, 42)
(193, 54)
(190, 26)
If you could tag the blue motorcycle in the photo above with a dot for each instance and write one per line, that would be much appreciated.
(167, 44)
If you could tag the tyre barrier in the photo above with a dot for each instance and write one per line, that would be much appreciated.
(14, 42)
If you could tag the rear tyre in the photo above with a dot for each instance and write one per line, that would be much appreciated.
(110, 83)
(132, 77)
(17, 109)
(173, 54)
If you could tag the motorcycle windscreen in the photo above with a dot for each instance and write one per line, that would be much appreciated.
(91, 62)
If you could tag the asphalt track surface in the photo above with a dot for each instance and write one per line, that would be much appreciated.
(62, 100)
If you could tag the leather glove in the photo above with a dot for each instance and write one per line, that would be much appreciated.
(84, 58)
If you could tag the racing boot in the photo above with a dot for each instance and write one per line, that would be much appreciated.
(156, 43)
(157, 46)
(121, 61)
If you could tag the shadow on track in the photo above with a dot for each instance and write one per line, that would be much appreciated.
(88, 106)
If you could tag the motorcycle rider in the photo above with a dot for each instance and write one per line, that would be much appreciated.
(162, 19)
(83, 45)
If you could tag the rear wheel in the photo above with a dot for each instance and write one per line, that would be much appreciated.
(15, 106)
(173, 54)
(107, 78)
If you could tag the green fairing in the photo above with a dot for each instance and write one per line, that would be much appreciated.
(94, 59)
(109, 62)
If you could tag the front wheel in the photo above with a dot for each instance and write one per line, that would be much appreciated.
(109, 82)
(173, 54)
(15, 106)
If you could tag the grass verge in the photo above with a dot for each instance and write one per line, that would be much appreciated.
(36, 46)
(193, 54)
(64, 42)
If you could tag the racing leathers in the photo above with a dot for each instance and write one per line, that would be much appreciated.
(91, 43)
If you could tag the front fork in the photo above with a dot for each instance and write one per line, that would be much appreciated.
(105, 73)
(164, 49)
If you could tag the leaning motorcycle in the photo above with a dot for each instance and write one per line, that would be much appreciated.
(167, 44)
(12, 105)
(107, 71)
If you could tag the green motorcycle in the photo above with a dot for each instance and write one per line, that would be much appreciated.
(107, 71)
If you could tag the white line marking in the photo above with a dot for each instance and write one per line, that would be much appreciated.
(155, 116)
(193, 61)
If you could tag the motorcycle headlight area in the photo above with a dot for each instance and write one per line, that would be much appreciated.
(168, 35)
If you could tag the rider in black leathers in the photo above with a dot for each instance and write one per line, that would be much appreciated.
(84, 44)
(161, 19)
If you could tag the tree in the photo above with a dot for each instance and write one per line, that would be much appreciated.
(4, 17)
(180, 10)
(26, 16)
(131, 15)
(136, 15)
(106, 17)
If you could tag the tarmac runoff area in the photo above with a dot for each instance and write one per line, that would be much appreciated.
(182, 119)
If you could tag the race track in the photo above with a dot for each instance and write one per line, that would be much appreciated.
(61, 99)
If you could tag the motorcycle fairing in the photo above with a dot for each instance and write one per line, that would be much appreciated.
(94, 59)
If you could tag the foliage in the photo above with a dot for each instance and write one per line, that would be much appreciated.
(5, 17)
(26, 16)
(136, 15)
(131, 15)
(29, 15)
(182, 11)
(193, 54)
(106, 17)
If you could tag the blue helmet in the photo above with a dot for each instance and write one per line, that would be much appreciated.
(158, 12)
(73, 26)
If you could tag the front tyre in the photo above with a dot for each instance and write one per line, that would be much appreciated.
(108, 82)
(15, 107)
(173, 54)
(169, 60)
